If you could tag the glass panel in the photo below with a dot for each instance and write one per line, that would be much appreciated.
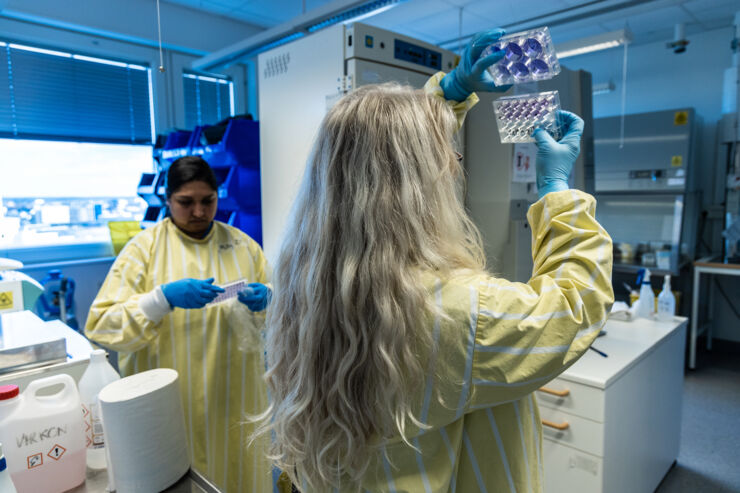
(66, 192)
(645, 229)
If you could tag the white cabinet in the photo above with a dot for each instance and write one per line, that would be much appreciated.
(614, 423)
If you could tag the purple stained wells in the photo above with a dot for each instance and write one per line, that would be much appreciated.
(539, 67)
(513, 52)
(519, 70)
(532, 48)
(503, 70)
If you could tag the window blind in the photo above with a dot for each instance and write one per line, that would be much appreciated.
(55, 95)
(208, 100)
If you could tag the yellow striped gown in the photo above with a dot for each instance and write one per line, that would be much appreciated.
(216, 350)
(498, 342)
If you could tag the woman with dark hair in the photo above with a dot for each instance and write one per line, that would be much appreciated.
(153, 309)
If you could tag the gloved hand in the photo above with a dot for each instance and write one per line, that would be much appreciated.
(191, 293)
(471, 75)
(256, 296)
(555, 159)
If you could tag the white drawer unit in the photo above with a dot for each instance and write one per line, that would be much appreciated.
(571, 397)
(573, 431)
(612, 424)
(566, 467)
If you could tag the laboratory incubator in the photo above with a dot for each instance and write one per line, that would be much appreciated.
(296, 88)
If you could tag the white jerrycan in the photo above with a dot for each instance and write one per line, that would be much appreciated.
(43, 436)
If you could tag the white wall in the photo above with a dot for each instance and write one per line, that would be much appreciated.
(658, 79)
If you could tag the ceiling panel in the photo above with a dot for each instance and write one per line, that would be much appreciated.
(561, 34)
(649, 21)
(446, 24)
(438, 20)
(713, 10)
(409, 13)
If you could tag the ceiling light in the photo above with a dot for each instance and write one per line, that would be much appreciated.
(356, 14)
(599, 42)
(329, 14)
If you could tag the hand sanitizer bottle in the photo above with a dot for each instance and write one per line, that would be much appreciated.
(646, 303)
(666, 302)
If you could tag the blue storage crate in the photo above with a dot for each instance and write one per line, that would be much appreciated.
(238, 145)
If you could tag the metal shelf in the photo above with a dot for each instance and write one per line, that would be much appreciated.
(633, 268)
(640, 192)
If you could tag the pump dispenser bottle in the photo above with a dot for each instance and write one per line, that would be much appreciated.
(646, 303)
(666, 302)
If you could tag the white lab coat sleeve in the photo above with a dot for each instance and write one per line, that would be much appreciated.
(154, 304)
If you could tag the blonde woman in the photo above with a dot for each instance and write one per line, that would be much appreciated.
(396, 363)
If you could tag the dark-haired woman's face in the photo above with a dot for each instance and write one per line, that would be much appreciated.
(193, 207)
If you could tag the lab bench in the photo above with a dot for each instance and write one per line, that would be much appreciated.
(192, 482)
(612, 424)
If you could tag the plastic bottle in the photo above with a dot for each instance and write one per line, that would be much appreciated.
(57, 300)
(666, 302)
(6, 484)
(45, 434)
(646, 303)
(99, 373)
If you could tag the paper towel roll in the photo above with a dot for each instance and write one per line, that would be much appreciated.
(144, 429)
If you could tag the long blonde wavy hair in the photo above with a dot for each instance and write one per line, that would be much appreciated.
(379, 205)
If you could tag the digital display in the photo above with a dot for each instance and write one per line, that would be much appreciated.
(417, 54)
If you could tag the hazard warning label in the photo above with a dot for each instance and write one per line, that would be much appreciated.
(56, 452)
(35, 460)
(6, 300)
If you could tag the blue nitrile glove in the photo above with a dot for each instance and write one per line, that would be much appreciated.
(471, 75)
(191, 293)
(555, 159)
(256, 296)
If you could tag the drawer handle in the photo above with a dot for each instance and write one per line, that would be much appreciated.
(558, 426)
(559, 393)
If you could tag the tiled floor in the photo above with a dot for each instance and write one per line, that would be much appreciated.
(709, 458)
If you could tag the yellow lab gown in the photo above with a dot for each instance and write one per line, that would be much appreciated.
(216, 350)
(498, 342)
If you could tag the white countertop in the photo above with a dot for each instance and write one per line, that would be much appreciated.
(29, 328)
(625, 343)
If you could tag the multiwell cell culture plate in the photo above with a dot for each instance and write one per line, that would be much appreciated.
(528, 56)
(518, 116)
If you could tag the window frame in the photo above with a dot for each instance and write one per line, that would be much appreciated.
(84, 250)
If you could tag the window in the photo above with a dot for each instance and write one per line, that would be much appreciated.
(43, 203)
(208, 99)
(77, 133)
(48, 94)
